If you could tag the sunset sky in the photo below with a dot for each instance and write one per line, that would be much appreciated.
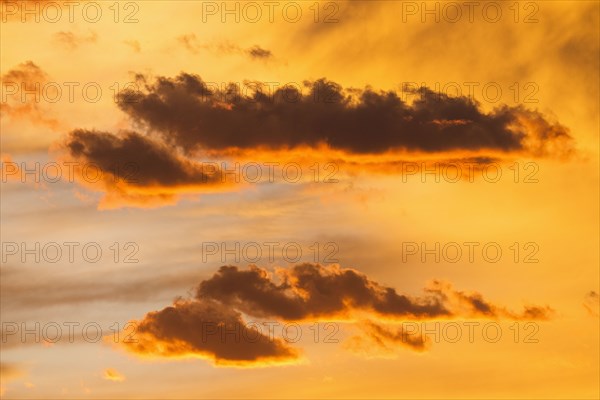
(310, 199)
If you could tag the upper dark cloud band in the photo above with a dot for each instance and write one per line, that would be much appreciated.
(194, 114)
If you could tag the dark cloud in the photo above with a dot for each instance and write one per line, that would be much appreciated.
(190, 42)
(259, 53)
(187, 118)
(591, 303)
(207, 329)
(309, 291)
(194, 45)
(195, 115)
(302, 293)
(136, 170)
(72, 40)
(144, 171)
(473, 304)
(388, 338)
(137, 159)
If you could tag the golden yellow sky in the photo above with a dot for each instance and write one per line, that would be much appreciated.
(390, 99)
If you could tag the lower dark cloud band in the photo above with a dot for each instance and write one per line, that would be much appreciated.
(302, 293)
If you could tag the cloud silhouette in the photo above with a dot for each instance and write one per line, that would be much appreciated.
(211, 325)
(137, 170)
(193, 114)
(207, 329)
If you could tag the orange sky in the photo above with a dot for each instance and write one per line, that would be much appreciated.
(519, 94)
